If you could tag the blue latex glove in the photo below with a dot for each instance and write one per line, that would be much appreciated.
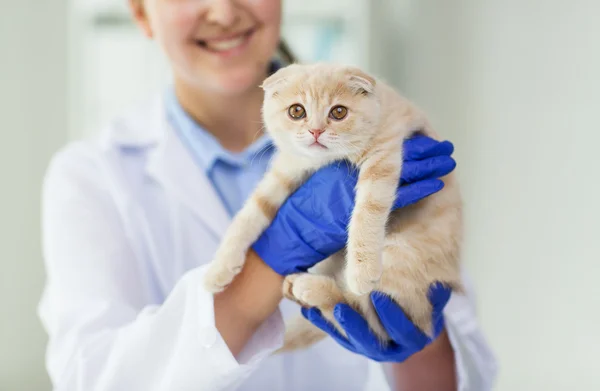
(406, 338)
(312, 223)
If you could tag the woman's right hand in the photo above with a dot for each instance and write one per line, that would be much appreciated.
(312, 224)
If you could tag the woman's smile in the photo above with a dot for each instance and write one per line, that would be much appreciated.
(227, 45)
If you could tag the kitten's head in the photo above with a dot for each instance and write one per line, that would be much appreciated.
(321, 111)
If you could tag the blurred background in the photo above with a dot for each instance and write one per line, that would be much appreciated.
(513, 83)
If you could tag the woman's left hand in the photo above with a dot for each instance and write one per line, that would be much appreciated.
(407, 339)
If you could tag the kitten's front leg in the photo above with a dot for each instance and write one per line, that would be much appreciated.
(375, 195)
(254, 217)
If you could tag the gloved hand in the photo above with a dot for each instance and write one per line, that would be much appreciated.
(406, 338)
(312, 223)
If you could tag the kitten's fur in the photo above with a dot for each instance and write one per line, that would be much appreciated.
(400, 253)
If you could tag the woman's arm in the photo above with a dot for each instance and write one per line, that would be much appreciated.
(251, 298)
(473, 362)
(433, 368)
(107, 331)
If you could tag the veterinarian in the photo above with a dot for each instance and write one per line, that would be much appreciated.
(131, 219)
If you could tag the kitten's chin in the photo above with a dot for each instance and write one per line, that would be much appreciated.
(321, 153)
(312, 151)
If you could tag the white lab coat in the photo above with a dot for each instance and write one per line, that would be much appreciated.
(129, 224)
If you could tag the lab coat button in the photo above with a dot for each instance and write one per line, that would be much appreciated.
(207, 336)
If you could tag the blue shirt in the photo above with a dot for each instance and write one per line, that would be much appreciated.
(233, 175)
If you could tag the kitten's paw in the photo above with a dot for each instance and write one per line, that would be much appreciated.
(307, 292)
(217, 278)
(310, 291)
(363, 276)
(298, 288)
(221, 273)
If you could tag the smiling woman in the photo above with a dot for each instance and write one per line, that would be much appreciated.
(133, 218)
(213, 45)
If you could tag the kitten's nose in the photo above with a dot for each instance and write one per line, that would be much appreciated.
(316, 133)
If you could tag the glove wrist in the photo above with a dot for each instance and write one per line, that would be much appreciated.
(283, 249)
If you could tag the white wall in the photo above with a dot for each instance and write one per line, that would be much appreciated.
(515, 85)
(34, 123)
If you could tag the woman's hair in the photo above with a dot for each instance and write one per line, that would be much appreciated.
(285, 53)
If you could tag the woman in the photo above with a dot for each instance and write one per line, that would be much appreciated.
(131, 219)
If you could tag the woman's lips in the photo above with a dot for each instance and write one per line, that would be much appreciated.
(226, 44)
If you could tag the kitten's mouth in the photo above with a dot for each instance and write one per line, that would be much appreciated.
(317, 144)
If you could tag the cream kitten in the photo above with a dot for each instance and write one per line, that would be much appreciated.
(320, 113)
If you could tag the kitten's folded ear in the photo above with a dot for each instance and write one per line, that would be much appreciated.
(272, 81)
(362, 82)
(278, 78)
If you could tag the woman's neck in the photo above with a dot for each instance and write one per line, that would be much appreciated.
(235, 121)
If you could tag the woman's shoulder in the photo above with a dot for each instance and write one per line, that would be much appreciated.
(81, 162)
(73, 172)
(138, 126)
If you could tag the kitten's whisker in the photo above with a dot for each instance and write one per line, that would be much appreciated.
(262, 130)
(261, 153)
(349, 148)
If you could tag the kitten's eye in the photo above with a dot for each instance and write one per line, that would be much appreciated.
(296, 112)
(338, 113)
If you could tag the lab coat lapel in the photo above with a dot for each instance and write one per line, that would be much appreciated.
(171, 164)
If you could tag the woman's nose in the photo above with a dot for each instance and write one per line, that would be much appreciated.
(222, 12)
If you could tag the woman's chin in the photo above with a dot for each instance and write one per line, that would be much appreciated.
(237, 82)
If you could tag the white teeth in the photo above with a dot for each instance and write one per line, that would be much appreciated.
(226, 45)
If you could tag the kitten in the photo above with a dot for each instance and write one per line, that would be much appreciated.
(320, 113)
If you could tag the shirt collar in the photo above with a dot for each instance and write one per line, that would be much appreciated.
(204, 146)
